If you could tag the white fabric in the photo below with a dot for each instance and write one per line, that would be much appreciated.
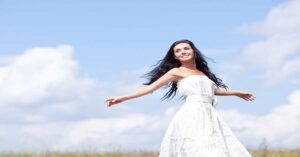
(196, 130)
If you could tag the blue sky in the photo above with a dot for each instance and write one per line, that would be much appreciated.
(60, 59)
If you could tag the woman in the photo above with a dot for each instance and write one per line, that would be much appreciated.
(196, 130)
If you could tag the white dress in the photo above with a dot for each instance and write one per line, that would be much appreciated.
(196, 130)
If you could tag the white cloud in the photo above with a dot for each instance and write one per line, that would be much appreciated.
(272, 52)
(129, 132)
(44, 84)
(281, 48)
(280, 127)
(42, 74)
(282, 72)
(6, 59)
(107, 131)
(282, 19)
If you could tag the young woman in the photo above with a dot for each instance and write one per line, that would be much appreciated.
(196, 130)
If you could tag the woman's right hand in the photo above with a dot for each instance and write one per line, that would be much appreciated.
(113, 100)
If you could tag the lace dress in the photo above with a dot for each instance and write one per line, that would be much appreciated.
(196, 130)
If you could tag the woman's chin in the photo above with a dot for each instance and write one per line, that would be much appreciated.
(185, 59)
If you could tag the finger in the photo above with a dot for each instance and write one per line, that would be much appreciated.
(110, 102)
(245, 98)
(109, 105)
(109, 99)
(248, 99)
(251, 98)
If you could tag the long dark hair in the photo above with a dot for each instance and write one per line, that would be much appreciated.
(169, 62)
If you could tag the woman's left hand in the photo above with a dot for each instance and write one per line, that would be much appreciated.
(113, 100)
(246, 96)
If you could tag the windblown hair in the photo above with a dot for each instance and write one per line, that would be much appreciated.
(169, 62)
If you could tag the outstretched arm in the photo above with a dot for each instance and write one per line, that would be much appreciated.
(167, 77)
(242, 94)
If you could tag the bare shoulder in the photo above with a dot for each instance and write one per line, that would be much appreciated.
(174, 71)
(169, 76)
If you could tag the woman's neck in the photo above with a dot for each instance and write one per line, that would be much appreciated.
(189, 66)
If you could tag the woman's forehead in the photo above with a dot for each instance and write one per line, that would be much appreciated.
(182, 45)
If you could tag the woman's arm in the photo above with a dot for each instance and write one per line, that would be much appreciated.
(167, 77)
(242, 94)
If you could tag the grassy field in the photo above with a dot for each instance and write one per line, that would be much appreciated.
(256, 153)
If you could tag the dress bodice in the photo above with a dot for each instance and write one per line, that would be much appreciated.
(196, 85)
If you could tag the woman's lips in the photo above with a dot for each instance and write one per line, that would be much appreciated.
(185, 56)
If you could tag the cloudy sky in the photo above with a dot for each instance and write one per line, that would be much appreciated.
(59, 60)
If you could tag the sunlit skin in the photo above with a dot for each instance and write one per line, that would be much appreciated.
(184, 53)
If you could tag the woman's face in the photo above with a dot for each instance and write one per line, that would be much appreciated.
(183, 52)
